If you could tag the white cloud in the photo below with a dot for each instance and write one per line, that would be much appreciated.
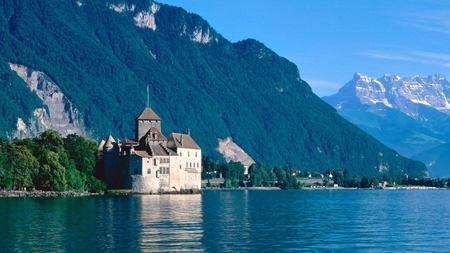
(436, 56)
(388, 56)
(447, 65)
(432, 28)
(422, 57)
(323, 84)
(434, 20)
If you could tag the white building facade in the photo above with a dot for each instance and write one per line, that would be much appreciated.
(152, 163)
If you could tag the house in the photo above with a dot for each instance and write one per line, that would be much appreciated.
(152, 162)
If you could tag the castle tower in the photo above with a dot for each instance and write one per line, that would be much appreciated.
(110, 155)
(146, 120)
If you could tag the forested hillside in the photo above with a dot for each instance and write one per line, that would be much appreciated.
(103, 54)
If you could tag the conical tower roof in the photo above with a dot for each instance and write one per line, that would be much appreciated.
(110, 142)
(100, 146)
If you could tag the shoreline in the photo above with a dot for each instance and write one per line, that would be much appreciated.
(43, 194)
(40, 194)
(322, 188)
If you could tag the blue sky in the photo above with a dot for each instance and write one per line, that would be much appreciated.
(331, 40)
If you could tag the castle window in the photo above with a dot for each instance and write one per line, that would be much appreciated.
(180, 166)
(154, 162)
(195, 154)
(136, 171)
(149, 171)
(181, 154)
(188, 153)
(164, 170)
(157, 173)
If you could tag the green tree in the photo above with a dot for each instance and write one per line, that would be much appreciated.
(347, 180)
(338, 177)
(374, 182)
(365, 183)
(52, 175)
(326, 182)
(355, 181)
(80, 167)
(233, 173)
(5, 171)
(282, 179)
(23, 166)
(82, 151)
(256, 175)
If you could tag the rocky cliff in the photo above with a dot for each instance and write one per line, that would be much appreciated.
(59, 113)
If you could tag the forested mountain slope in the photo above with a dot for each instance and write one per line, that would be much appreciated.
(103, 54)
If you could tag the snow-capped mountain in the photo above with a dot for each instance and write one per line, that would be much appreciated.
(406, 95)
(410, 114)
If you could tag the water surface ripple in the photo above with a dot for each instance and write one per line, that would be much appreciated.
(231, 221)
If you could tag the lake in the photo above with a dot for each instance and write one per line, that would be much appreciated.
(231, 221)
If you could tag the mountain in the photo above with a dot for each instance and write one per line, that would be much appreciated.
(85, 66)
(437, 160)
(410, 115)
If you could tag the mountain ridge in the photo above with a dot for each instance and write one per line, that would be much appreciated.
(410, 114)
(105, 53)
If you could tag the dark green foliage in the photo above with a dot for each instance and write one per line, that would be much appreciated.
(261, 175)
(233, 173)
(365, 183)
(49, 162)
(102, 61)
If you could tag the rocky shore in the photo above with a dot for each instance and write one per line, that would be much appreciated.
(6, 194)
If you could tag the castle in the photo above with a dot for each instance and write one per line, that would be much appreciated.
(152, 163)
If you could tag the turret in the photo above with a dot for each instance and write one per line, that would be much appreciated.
(110, 156)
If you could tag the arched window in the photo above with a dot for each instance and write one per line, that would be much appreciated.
(149, 171)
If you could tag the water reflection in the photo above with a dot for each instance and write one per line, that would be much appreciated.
(230, 221)
(170, 223)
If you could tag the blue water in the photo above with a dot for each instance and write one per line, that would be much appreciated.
(231, 221)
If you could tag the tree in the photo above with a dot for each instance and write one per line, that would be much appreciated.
(347, 180)
(256, 175)
(326, 182)
(81, 155)
(52, 175)
(5, 171)
(365, 183)
(233, 173)
(82, 151)
(282, 179)
(374, 182)
(338, 177)
(23, 166)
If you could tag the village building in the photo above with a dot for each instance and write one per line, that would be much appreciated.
(151, 162)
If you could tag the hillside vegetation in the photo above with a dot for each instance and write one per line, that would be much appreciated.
(103, 61)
